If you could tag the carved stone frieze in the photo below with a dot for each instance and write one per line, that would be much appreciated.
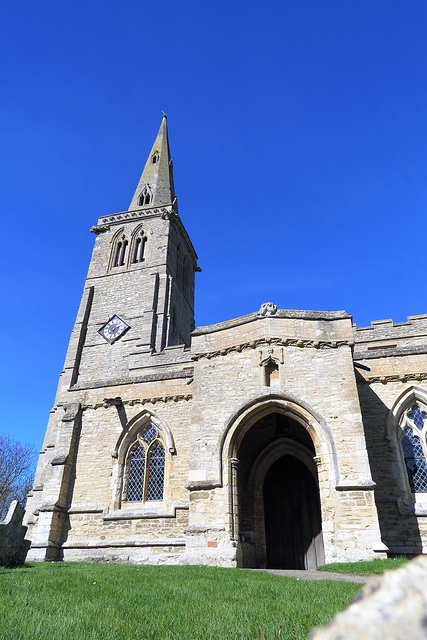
(166, 213)
(282, 342)
(153, 400)
(395, 377)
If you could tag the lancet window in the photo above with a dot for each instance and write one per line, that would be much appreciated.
(139, 249)
(155, 157)
(414, 447)
(120, 252)
(145, 196)
(145, 468)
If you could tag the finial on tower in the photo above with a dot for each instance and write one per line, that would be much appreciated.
(165, 115)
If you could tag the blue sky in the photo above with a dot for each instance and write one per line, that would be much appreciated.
(298, 134)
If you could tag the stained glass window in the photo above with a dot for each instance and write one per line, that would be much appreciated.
(146, 468)
(413, 450)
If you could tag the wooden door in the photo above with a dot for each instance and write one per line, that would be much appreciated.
(292, 516)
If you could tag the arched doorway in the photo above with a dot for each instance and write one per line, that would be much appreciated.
(277, 495)
(292, 516)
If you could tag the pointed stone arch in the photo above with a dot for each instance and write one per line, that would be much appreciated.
(138, 242)
(400, 428)
(127, 440)
(250, 412)
(119, 249)
(146, 196)
(412, 395)
(317, 459)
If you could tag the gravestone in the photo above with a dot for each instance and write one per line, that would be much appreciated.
(13, 546)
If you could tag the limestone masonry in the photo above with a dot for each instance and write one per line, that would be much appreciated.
(283, 438)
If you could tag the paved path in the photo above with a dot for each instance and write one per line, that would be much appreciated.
(316, 575)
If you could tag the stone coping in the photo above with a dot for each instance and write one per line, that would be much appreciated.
(298, 314)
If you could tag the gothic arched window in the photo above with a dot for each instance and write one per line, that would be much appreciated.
(145, 467)
(120, 252)
(145, 196)
(155, 157)
(139, 249)
(414, 447)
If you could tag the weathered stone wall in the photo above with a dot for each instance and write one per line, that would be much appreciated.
(316, 374)
(395, 359)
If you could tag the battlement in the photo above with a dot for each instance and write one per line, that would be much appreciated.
(386, 334)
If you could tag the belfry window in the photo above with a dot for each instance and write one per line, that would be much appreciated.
(414, 448)
(139, 250)
(120, 255)
(145, 196)
(145, 469)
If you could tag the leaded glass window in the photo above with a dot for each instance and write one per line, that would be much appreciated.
(156, 472)
(136, 475)
(146, 467)
(414, 447)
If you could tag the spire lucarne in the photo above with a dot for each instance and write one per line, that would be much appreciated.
(155, 187)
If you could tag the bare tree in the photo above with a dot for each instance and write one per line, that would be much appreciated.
(17, 466)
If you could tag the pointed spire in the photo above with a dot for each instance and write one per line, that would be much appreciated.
(155, 187)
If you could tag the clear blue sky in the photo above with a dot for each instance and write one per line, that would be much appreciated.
(298, 134)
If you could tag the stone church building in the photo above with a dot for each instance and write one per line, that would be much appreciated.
(283, 438)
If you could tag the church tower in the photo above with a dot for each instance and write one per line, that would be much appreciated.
(139, 292)
(143, 267)
(133, 327)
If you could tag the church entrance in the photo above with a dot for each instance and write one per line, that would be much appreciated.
(277, 507)
(292, 516)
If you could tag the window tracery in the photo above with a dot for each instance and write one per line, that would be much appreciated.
(145, 468)
(414, 447)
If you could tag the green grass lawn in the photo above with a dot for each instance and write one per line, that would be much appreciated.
(128, 602)
(367, 568)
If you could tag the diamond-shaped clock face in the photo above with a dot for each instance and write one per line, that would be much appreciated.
(114, 328)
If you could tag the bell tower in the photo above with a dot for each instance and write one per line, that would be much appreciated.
(129, 346)
(139, 292)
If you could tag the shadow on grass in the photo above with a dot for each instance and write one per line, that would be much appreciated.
(23, 568)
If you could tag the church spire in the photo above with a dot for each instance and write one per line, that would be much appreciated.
(155, 187)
